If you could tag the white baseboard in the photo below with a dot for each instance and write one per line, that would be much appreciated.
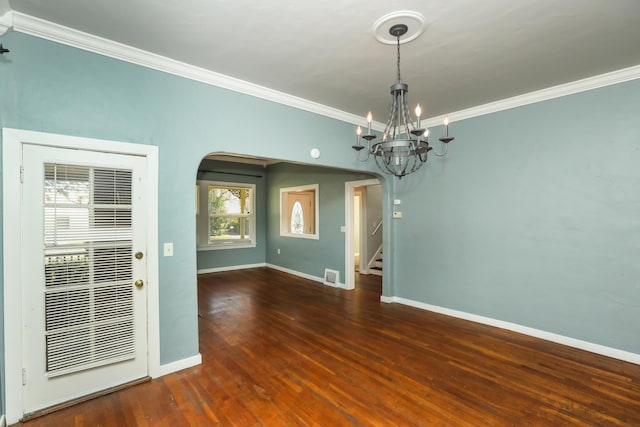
(230, 268)
(306, 276)
(3, 422)
(549, 336)
(179, 365)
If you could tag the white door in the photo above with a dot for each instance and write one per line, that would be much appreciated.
(83, 266)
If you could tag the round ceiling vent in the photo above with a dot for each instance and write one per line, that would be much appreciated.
(413, 20)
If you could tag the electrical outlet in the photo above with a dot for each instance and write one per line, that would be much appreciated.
(397, 214)
(278, 251)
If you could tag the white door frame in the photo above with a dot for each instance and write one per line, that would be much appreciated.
(361, 198)
(349, 265)
(12, 142)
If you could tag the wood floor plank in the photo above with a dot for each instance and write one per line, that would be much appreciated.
(279, 350)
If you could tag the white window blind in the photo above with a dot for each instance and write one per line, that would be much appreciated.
(88, 283)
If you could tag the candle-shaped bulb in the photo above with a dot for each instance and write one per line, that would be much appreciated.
(359, 131)
(369, 120)
(426, 133)
(446, 126)
(446, 120)
(418, 112)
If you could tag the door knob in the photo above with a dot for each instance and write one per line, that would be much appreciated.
(139, 283)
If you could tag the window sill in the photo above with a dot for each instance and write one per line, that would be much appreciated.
(301, 236)
(226, 246)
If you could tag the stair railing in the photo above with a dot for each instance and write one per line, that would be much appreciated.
(376, 228)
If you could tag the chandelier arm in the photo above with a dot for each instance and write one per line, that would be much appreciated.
(382, 165)
(406, 163)
(390, 120)
(423, 159)
(417, 166)
(413, 167)
(406, 115)
(415, 157)
(446, 147)
(365, 159)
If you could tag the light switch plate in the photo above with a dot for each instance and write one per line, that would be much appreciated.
(168, 249)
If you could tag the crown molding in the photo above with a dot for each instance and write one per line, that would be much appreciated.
(6, 22)
(50, 31)
(590, 83)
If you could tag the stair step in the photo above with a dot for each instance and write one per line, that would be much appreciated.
(376, 271)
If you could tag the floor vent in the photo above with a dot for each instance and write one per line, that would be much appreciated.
(331, 277)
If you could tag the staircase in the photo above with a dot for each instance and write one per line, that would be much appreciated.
(375, 264)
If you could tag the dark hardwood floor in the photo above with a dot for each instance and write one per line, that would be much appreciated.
(283, 351)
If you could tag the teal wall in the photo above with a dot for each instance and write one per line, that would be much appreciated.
(533, 218)
(309, 256)
(246, 174)
(53, 88)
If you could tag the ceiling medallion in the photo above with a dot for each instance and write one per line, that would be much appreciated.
(404, 145)
(414, 22)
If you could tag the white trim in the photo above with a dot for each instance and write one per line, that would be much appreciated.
(590, 83)
(222, 247)
(305, 276)
(203, 215)
(349, 192)
(47, 30)
(153, 256)
(3, 422)
(549, 336)
(179, 365)
(231, 268)
(284, 227)
(11, 233)
(12, 141)
(50, 31)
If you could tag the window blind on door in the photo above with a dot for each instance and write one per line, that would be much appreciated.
(88, 286)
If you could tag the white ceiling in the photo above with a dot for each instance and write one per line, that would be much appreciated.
(471, 52)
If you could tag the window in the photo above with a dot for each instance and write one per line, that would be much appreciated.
(297, 218)
(299, 211)
(225, 215)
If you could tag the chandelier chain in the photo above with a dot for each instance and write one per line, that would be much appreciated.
(398, 39)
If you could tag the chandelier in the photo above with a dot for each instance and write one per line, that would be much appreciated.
(404, 146)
